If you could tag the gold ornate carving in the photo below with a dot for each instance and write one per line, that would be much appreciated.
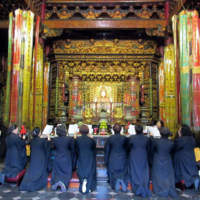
(104, 47)
(91, 14)
(64, 13)
(115, 10)
(160, 31)
(112, 71)
(144, 13)
(51, 32)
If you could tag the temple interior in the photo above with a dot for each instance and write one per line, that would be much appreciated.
(100, 63)
(88, 69)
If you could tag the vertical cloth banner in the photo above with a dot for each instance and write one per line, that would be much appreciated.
(16, 67)
(170, 110)
(21, 69)
(6, 116)
(184, 29)
(45, 92)
(161, 77)
(176, 54)
(25, 93)
(39, 88)
(28, 53)
(31, 125)
(37, 29)
(19, 66)
(196, 71)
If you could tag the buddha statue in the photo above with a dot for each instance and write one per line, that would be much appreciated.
(103, 96)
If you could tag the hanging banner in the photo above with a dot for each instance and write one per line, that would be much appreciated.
(8, 81)
(161, 91)
(16, 67)
(196, 71)
(45, 92)
(176, 54)
(37, 30)
(28, 51)
(184, 28)
(170, 88)
(39, 88)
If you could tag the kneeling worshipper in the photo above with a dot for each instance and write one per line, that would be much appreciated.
(16, 159)
(86, 160)
(185, 167)
(63, 162)
(36, 175)
(3, 133)
(138, 163)
(116, 159)
(162, 170)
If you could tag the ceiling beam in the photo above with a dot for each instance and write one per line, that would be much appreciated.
(106, 24)
(104, 1)
(4, 24)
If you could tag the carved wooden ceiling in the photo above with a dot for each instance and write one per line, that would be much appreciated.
(147, 16)
(94, 9)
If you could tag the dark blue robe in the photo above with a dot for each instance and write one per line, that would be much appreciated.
(15, 160)
(37, 172)
(86, 162)
(162, 170)
(63, 161)
(184, 160)
(138, 164)
(3, 142)
(116, 158)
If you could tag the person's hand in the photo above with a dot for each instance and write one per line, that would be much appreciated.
(23, 137)
(91, 136)
(179, 132)
(48, 138)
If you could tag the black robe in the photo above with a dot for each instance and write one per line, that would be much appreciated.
(138, 164)
(184, 160)
(162, 170)
(116, 158)
(63, 161)
(15, 160)
(3, 142)
(86, 161)
(36, 175)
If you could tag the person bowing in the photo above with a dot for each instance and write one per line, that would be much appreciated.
(138, 163)
(116, 159)
(36, 175)
(86, 160)
(63, 162)
(184, 158)
(162, 170)
(15, 160)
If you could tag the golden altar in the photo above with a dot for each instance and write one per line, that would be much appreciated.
(118, 76)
